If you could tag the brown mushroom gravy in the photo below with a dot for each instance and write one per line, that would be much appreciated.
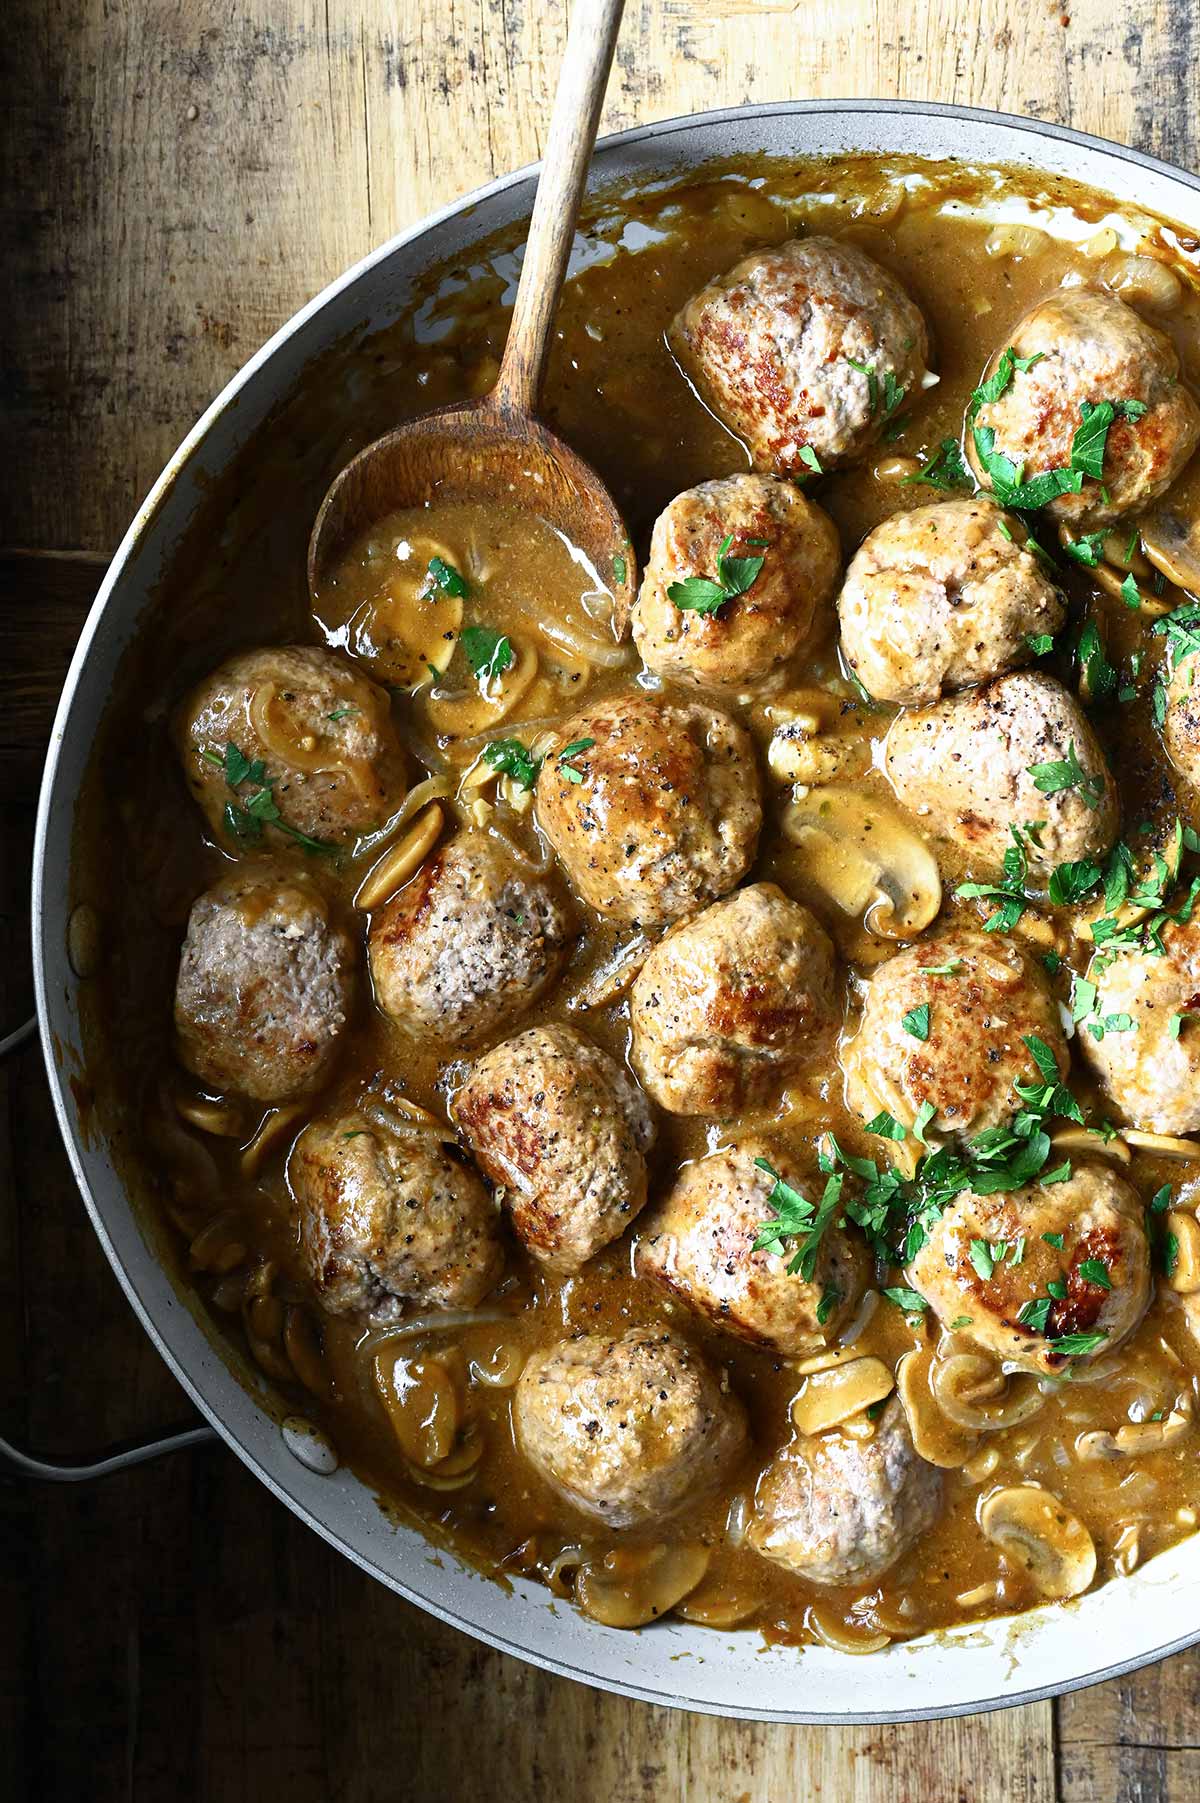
(487, 630)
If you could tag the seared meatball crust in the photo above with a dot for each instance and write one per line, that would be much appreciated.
(943, 597)
(322, 732)
(388, 1221)
(265, 986)
(1181, 724)
(469, 944)
(753, 639)
(652, 804)
(1090, 347)
(838, 1510)
(733, 1003)
(564, 1131)
(1151, 1070)
(772, 347)
(627, 1427)
(985, 997)
(968, 768)
(1099, 1220)
(699, 1243)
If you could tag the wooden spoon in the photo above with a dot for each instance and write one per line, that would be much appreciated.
(496, 449)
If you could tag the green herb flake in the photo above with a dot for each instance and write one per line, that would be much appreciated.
(488, 652)
(909, 1300)
(1131, 594)
(886, 1126)
(446, 577)
(982, 1258)
(1040, 643)
(567, 756)
(1054, 1239)
(509, 757)
(945, 470)
(620, 568)
(1094, 1270)
(735, 575)
(342, 713)
(916, 1021)
(830, 1298)
(961, 1321)
(810, 460)
(1063, 775)
(1078, 1345)
(1160, 1201)
(796, 1218)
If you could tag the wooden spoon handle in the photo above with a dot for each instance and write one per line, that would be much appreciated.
(591, 39)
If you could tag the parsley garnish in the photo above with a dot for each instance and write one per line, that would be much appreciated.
(909, 1300)
(342, 713)
(916, 1021)
(884, 395)
(797, 1218)
(1094, 1270)
(446, 577)
(489, 652)
(701, 595)
(567, 756)
(509, 757)
(830, 1297)
(1010, 893)
(1039, 642)
(620, 568)
(1087, 549)
(1181, 629)
(945, 470)
(810, 460)
(1063, 774)
(257, 807)
(1071, 882)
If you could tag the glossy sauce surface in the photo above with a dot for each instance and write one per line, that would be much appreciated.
(616, 395)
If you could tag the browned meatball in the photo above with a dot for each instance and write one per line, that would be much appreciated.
(265, 985)
(755, 637)
(985, 997)
(1181, 724)
(387, 1219)
(1150, 1067)
(805, 345)
(970, 769)
(627, 1428)
(840, 1510)
(732, 1004)
(1090, 348)
(1094, 1219)
(943, 597)
(306, 726)
(469, 943)
(652, 804)
(699, 1244)
(564, 1131)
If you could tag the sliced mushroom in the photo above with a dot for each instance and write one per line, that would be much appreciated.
(1184, 1230)
(829, 1397)
(975, 1393)
(461, 715)
(1113, 572)
(1171, 540)
(1163, 1145)
(401, 860)
(221, 1246)
(303, 1345)
(935, 1437)
(1083, 1142)
(457, 1469)
(422, 1404)
(263, 1320)
(1034, 1530)
(1135, 1439)
(866, 860)
(720, 1601)
(634, 1585)
(614, 976)
(837, 1634)
(224, 1120)
(276, 1127)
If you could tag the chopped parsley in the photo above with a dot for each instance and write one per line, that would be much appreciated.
(1078, 1345)
(830, 1298)
(1083, 1011)
(810, 460)
(796, 1218)
(443, 575)
(1010, 893)
(509, 757)
(1040, 642)
(1181, 629)
(1094, 1270)
(1160, 1201)
(620, 568)
(1054, 1239)
(567, 756)
(1074, 881)
(916, 1021)
(945, 470)
(942, 970)
(1087, 549)
(1098, 673)
(984, 1258)
(1179, 1020)
(735, 575)
(909, 1300)
(886, 1126)
(488, 652)
(1086, 457)
(1091, 435)
(1131, 594)
(1062, 775)
(342, 713)
(256, 807)
(885, 396)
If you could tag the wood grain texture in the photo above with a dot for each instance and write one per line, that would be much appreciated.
(177, 181)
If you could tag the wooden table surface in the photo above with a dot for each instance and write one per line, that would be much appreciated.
(178, 179)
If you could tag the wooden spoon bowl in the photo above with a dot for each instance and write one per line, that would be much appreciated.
(497, 449)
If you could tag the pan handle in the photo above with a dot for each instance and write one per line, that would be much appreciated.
(118, 1458)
